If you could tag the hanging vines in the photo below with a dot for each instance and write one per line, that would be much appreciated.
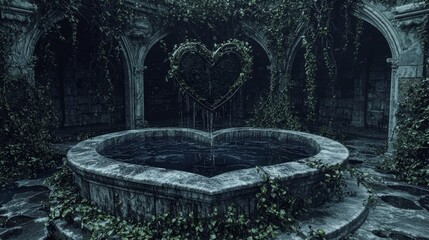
(280, 22)
(232, 59)
(217, 21)
(107, 21)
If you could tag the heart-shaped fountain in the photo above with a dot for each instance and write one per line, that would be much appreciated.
(211, 78)
(141, 191)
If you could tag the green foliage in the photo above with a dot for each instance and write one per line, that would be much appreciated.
(410, 160)
(231, 46)
(274, 111)
(279, 22)
(108, 20)
(277, 210)
(318, 234)
(111, 17)
(27, 120)
(215, 21)
(310, 84)
(329, 132)
(333, 185)
(277, 206)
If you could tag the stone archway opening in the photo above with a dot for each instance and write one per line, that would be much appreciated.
(84, 96)
(360, 96)
(166, 105)
(160, 96)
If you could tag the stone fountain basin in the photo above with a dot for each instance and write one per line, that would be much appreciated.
(137, 192)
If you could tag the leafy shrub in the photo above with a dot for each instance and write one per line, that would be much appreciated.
(410, 160)
(274, 111)
(27, 118)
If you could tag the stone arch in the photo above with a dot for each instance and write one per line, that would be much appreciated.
(136, 84)
(259, 38)
(400, 50)
(36, 32)
(148, 59)
(158, 36)
(23, 47)
(125, 45)
(293, 50)
(27, 43)
(371, 15)
(249, 31)
(394, 38)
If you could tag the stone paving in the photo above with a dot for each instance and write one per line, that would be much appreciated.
(23, 211)
(401, 210)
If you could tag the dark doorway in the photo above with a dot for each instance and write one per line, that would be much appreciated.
(361, 90)
(82, 93)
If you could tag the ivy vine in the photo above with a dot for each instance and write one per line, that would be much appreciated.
(276, 208)
(107, 20)
(215, 21)
(240, 49)
(26, 119)
(280, 23)
(410, 160)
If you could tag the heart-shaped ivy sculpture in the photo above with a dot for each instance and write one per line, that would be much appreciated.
(211, 78)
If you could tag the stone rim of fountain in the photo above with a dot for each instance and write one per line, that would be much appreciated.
(102, 179)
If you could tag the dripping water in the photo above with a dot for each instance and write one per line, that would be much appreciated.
(194, 115)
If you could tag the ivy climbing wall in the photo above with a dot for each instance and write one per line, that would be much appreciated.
(362, 90)
(80, 93)
(362, 96)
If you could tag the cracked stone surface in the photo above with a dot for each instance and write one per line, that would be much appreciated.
(401, 210)
(424, 202)
(336, 219)
(22, 211)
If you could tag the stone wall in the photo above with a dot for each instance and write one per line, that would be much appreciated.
(396, 24)
(360, 103)
(81, 92)
(82, 106)
(378, 90)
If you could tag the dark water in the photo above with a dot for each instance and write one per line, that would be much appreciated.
(200, 158)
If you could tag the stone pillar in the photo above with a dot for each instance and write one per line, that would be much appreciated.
(136, 45)
(139, 116)
(408, 63)
(394, 96)
(16, 17)
(134, 83)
